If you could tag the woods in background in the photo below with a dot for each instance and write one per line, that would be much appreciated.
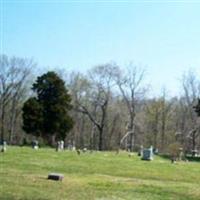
(111, 107)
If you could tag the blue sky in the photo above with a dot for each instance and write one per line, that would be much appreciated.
(162, 36)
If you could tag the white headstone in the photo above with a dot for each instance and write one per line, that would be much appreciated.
(61, 145)
(35, 144)
(4, 147)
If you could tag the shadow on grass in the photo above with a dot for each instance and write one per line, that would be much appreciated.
(42, 178)
(193, 159)
(189, 158)
(165, 156)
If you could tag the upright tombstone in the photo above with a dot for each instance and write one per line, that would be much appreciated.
(194, 153)
(61, 145)
(4, 146)
(155, 151)
(58, 146)
(147, 154)
(69, 147)
(35, 144)
(84, 150)
(73, 148)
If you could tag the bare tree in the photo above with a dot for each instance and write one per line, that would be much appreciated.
(191, 92)
(152, 115)
(14, 75)
(131, 88)
(93, 101)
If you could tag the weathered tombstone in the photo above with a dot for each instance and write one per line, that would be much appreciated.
(35, 144)
(84, 150)
(155, 151)
(147, 154)
(69, 147)
(181, 154)
(61, 145)
(73, 148)
(194, 153)
(55, 176)
(58, 146)
(4, 146)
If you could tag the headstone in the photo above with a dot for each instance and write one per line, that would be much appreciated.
(194, 153)
(61, 145)
(147, 154)
(58, 146)
(35, 144)
(69, 147)
(155, 151)
(55, 176)
(73, 148)
(181, 154)
(4, 146)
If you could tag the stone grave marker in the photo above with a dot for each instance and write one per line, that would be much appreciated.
(35, 144)
(58, 146)
(4, 146)
(147, 154)
(55, 176)
(61, 145)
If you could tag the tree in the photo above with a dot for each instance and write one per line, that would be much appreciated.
(191, 88)
(48, 111)
(14, 78)
(131, 88)
(94, 98)
(32, 116)
(152, 115)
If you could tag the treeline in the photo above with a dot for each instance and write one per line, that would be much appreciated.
(111, 107)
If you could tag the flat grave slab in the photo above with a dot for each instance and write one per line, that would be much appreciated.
(55, 176)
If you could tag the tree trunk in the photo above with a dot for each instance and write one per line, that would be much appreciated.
(100, 139)
(2, 122)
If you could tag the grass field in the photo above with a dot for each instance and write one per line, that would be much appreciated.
(97, 175)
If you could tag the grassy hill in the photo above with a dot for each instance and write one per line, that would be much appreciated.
(97, 175)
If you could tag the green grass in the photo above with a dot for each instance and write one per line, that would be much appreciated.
(97, 175)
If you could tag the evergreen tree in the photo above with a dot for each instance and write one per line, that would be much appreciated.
(32, 116)
(49, 110)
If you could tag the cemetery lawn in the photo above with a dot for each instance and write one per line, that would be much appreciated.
(97, 175)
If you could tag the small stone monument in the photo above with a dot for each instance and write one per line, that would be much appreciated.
(73, 148)
(4, 146)
(35, 144)
(55, 176)
(147, 154)
(61, 145)
(155, 151)
(58, 146)
(194, 153)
